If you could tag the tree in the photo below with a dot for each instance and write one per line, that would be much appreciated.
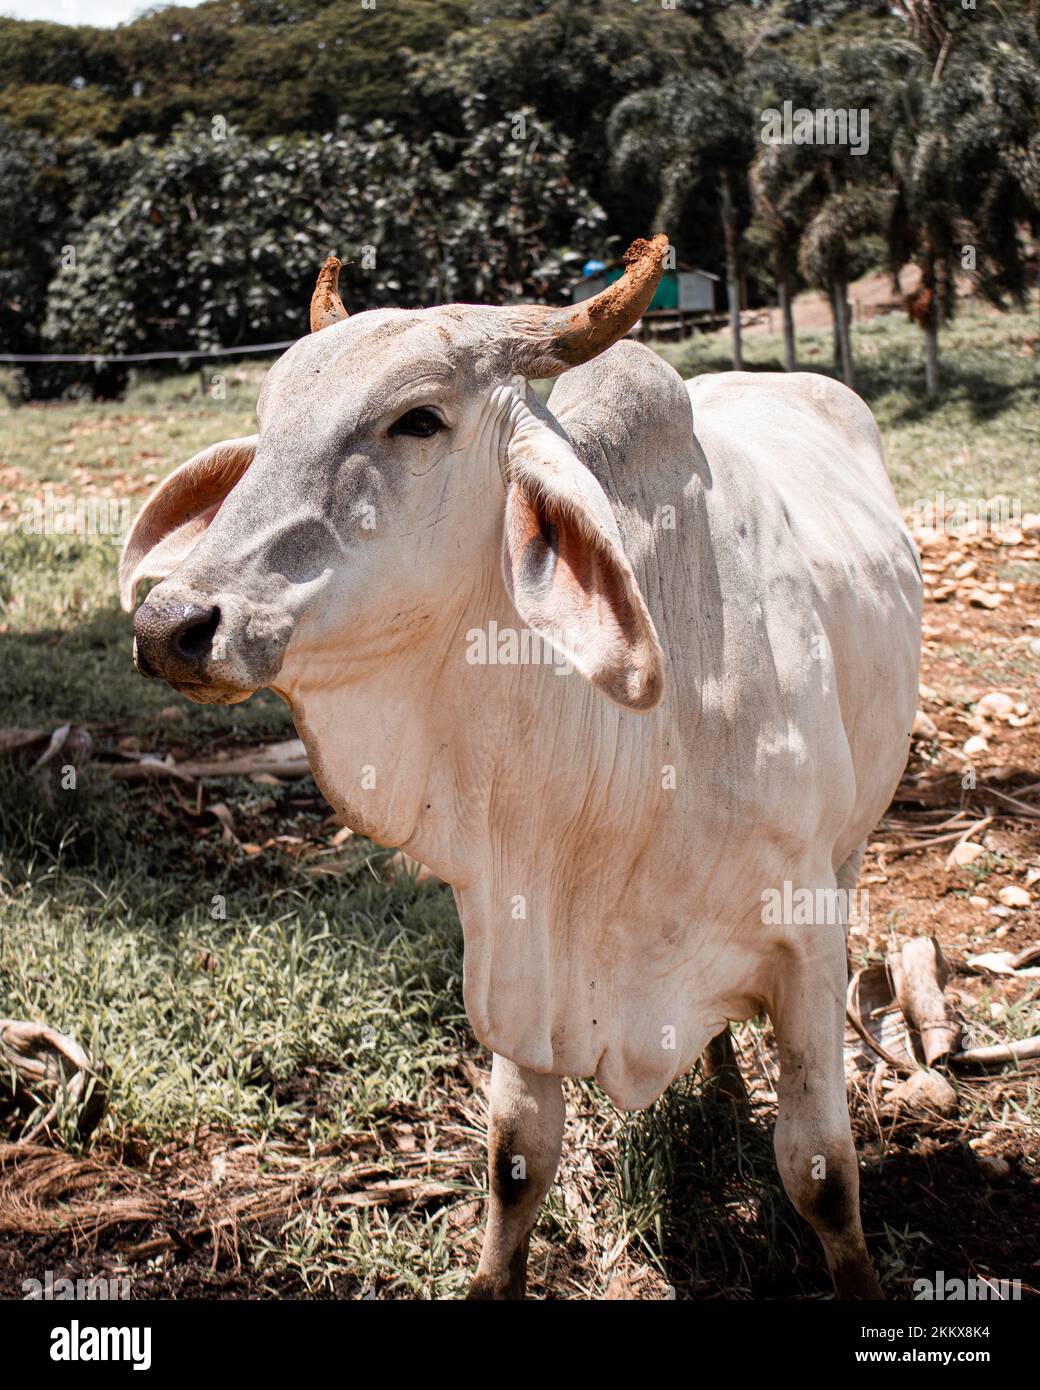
(849, 196)
(268, 67)
(693, 130)
(572, 63)
(216, 242)
(779, 195)
(964, 159)
(781, 182)
(31, 197)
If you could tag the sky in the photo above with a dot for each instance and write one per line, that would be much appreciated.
(104, 12)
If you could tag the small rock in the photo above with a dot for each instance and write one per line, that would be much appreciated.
(966, 570)
(924, 726)
(999, 912)
(964, 853)
(975, 745)
(924, 1090)
(976, 901)
(992, 1167)
(979, 598)
(928, 536)
(1013, 896)
(995, 705)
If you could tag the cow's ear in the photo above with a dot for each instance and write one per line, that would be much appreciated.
(177, 513)
(567, 573)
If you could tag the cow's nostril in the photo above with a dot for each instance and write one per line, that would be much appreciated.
(194, 638)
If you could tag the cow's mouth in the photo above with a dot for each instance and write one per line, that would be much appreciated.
(201, 694)
(213, 653)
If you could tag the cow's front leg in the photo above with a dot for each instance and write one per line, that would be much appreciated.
(525, 1132)
(814, 1148)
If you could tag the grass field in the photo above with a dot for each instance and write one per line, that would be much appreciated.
(295, 1097)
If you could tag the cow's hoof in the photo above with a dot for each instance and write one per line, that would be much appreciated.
(859, 1282)
(485, 1290)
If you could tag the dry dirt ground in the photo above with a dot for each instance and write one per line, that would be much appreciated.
(869, 296)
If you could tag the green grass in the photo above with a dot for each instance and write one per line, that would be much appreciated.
(64, 643)
(205, 977)
(317, 1010)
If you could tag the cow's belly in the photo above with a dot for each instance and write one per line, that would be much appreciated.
(628, 981)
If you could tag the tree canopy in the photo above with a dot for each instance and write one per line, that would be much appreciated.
(173, 181)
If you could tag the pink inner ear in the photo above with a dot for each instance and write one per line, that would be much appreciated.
(569, 585)
(567, 581)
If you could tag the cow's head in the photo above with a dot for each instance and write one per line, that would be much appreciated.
(401, 464)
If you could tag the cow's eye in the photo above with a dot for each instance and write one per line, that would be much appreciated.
(421, 423)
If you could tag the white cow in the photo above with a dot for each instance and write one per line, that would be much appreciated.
(736, 606)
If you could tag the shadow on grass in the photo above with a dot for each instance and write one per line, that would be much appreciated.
(84, 674)
(960, 381)
(699, 1183)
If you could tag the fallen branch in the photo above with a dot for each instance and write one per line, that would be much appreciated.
(287, 759)
(919, 973)
(998, 1054)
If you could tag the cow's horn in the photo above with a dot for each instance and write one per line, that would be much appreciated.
(326, 305)
(551, 340)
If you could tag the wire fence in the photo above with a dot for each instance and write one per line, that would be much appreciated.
(143, 356)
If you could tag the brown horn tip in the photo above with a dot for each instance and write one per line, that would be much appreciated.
(551, 340)
(627, 299)
(326, 305)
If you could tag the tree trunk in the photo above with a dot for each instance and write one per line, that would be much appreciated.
(841, 327)
(728, 212)
(931, 352)
(783, 290)
(931, 333)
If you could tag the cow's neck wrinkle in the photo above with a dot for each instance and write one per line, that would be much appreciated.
(476, 769)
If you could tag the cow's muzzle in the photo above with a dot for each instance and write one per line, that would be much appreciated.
(214, 653)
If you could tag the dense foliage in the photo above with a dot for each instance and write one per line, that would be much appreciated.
(173, 182)
(215, 241)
